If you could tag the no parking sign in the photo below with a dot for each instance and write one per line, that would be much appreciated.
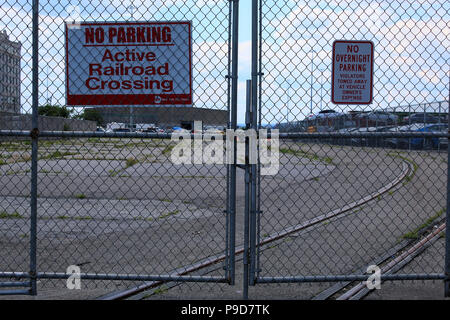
(352, 72)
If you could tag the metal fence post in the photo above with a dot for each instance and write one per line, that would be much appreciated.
(447, 226)
(248, 204)
(254, 126)
(232, 168)
(34, 148)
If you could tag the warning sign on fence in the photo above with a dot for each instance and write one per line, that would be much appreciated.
(129, 63)
(352, 72)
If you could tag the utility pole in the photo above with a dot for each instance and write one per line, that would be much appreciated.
(312, 73)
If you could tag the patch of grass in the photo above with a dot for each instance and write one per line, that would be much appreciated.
(130, 162)
(57, 155)
(414, 234)
(307, 155)
(14, 215)
(316, 178)
(161, 290)
(167, 149)
(95, 140)
(113, 173)
(168, 214)
(80, 196)
(415, 165)
(83, 218)
(12, 172)
(62, 217)
(165, 200)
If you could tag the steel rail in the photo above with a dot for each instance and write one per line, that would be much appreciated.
(406, 170)
(400, 260)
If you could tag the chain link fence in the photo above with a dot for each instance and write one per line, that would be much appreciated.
(93, 188)
(106, 202)
(350, 194)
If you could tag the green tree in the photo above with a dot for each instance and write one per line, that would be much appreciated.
(90, 114)
(54, 111)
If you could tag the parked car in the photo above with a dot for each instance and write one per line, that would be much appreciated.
(420, 118)
(370, 141)
(121, 130)
(443, 143)
(150, 129)
(418, 142)
(375, 117)
(399, 143)
(428, 143)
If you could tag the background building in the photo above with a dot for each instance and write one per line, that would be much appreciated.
(163, 117)
(9, 75)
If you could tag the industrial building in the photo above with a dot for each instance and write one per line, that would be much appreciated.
(163, 117)
(9, 75)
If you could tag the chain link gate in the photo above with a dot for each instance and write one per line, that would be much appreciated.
(361, 189)
(111, 206)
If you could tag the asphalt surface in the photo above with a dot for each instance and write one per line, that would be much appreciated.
(152, 217)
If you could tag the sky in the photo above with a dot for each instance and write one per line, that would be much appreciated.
(411, 39)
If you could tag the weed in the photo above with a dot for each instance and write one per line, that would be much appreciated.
(415, 166)
(414, 234)
(167, 149)
(83, 218)
(14, 215)
(161, 290)
(131, 162)
(307, 155)
(171, 213)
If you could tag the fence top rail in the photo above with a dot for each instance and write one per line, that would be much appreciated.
(282, 135)
(295, 135)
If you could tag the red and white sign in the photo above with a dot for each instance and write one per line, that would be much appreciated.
(352, 74)
(129, 63)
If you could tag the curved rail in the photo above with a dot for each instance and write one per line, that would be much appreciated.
(406, 171)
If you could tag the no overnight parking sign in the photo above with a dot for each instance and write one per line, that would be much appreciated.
(129, 63)
(352, 72)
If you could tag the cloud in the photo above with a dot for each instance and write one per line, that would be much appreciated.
(411, 50)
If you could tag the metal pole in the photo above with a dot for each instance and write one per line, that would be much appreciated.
(312, 71)
(258, 208)
(234, 90)
(439, 123)
(447, 226)
(409, 129)
(247, 209)
(227, 226)
(34, 148)
(254, 126)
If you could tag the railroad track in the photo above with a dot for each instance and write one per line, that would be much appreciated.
(210, 264)
(402, 254)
